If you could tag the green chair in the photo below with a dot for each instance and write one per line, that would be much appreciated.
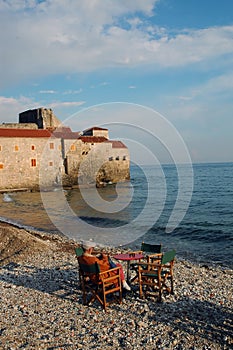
(154, 277)
(78, 251)
(105, 287)
(151, 248)
(152, 253)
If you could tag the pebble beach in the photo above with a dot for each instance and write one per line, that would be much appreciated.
(41, 303)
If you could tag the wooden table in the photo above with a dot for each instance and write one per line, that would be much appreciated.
(128, 257)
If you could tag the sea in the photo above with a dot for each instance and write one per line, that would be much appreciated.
(189, 211)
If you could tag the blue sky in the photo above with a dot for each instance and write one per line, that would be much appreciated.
(94, 61)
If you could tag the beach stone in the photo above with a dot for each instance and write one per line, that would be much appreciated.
(41, 306)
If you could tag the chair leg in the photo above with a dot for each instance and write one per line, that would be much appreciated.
(141, 291)
(140, 285)
(160, 285)
(104, 299)
(172, 285)
(120, 296)
(101, 290)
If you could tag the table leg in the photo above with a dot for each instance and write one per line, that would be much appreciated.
(128, 272)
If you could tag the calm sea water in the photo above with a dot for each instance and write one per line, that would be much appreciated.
(139, 210)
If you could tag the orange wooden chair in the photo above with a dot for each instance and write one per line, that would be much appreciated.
(157, 277)
(152, 254)
(105, 287)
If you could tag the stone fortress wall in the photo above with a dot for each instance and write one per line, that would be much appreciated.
(43, 117)
(39, 152)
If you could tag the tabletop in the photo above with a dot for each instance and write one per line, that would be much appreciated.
(128, 256)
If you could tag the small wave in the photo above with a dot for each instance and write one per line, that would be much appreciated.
(103, 222)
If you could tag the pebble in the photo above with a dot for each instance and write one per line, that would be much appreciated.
(41, 308)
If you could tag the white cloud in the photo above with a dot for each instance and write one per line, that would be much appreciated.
(63, 109)
(60, 104)
(218, 84)
(11, 107)
(185, 98)
(57, 37)
(72, 92)
(190, 47)
(104, 83)
(47, 92)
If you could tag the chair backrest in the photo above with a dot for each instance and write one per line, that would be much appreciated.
(151, 248)
(78, 251)
(168, 257)
(89, 269)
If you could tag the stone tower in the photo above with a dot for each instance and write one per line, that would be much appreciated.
(43, 117)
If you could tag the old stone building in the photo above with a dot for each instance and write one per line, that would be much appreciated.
(38, 152)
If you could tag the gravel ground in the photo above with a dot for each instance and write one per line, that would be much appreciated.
(41, 303)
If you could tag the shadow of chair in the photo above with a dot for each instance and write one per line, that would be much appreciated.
(105, 287)
(154, 276)
(152, 254)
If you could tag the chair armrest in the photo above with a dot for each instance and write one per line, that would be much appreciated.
(114, 269)
(154, 257)
(111, 274)
(147, 265)
(155, 264)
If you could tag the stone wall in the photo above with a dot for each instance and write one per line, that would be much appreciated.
(43, 117)
(98, 164)
(33, 162)
(28, 162)
(32, 126)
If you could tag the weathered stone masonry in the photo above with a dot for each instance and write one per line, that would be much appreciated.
(38, 152)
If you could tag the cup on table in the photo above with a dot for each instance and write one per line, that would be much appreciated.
(132, 255)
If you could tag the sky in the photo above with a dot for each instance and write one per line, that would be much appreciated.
(153, 71)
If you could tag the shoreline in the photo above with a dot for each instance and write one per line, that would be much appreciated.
(41, 303)
(50, 235)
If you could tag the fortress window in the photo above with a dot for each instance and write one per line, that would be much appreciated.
(124, 157)
(33, 162)
(117, 158)
(1, 166)
(51, 145)
(16, 148)
(110, 159)
(72, 148)
(33, 147)
(50, 163)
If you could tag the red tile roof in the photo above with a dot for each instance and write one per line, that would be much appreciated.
(5, 132)
(100, 139)
(93, 139)
(94, 128)
(117, 144)
(10, 132)
(66, 135)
